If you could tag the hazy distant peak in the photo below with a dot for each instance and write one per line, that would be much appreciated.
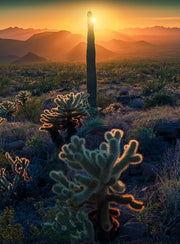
(30, 58)
(18, 33)
(155, 30)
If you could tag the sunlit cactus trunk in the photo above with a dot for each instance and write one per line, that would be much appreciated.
(91, 63)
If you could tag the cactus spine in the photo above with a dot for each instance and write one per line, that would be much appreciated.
(91, 63)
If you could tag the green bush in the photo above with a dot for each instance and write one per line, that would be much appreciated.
(8, 229)
(35, 141)
(163, 203)
(104, 100)
(70, 224)
(31, 110)
(144, 136)
(160, 99)
(95, 123)
(152, 86)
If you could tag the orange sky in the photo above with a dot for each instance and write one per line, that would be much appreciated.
(72, 16)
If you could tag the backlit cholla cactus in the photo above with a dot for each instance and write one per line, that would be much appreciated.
(7, 109)
(2, 120)
(22, 97)
(18, 166)
(100, 185)
(71, 108)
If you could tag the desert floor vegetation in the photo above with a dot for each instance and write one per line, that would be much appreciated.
(140, 98)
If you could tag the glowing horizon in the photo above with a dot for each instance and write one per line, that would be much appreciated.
(73, 16)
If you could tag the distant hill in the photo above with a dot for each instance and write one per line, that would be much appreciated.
(66, 46)
(119, 45)
(13, 47)
(155, 30)
(19, 33)
(51, 45)
(156, 35)
(30, 58)
(54, 45)
(107, 35)
(78, 53)
(8, 59)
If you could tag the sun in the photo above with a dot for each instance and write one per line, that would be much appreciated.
(93, 20)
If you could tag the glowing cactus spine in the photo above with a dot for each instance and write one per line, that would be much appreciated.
(91, 63)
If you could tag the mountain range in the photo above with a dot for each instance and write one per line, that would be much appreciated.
(19, 33)
(66, 46)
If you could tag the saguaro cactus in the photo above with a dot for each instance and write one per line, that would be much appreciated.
(91, 63)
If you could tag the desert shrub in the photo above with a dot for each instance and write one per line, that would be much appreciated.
(159, 99)
(152, 86)
(5, 86)
(95, 123)
(163, 198)
(144, 136)
(31, 110)
(65, 225)
(9, 230)
(35, 141)
(104, 100)
(149, 119)
(16, 131)
(3, 160)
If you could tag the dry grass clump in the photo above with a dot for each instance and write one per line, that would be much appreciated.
(116, 108)
(13, 131)
(148, 119)
(163, 198)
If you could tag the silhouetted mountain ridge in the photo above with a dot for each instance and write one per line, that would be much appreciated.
(30, 58)
(78, 53)
(64, 45)
(20, 33)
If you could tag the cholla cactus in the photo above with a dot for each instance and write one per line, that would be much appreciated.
(18, 166)
(116, 108)
(2, 120)
(100, 186)
(22, 97)
(7, 109)
(71, 108)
